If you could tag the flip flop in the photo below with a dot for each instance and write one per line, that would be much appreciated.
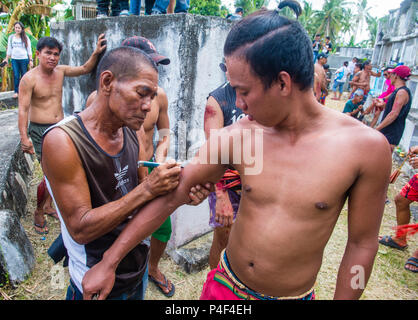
(164, 285)
(413, 262)
(41, 227)
(389, 242)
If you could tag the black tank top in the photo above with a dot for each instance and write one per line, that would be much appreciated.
(109, 178)
(225, 95)
(394, 131)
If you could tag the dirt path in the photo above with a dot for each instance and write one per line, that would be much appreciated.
(389, 280)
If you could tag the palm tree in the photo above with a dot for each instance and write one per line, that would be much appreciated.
(372, 23)
(250, 6)
(307, 18)
(331, 17)
(362, 13)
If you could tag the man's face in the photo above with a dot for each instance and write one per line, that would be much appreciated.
(130, 99)
(368, 67)
(48, 57)
(357, 99)
(317, 38)
(251, 96)
(323, 61)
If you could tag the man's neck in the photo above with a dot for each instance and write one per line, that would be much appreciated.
(399, 83)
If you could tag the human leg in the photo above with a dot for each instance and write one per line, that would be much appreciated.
(115, 8)
(135, 7)
(124, 7)
(16, 75)
(159, 241)
(160, 7)
(407, 195)
(102, 7)
(182, 6)
(148, 6)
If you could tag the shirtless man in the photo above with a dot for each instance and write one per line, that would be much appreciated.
(288, 210)
(362, 80)
(40, 98)
(320, 77)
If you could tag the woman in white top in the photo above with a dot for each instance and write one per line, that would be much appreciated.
(20, 51)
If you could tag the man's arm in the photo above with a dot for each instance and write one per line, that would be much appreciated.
(401, 99)
(366, 201)
(163, 126)
(71, 191)
(214, 119)
(25, 95)
(100, 278)
(71, 71)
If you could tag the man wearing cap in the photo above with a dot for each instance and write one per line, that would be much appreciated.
(353, 106)
(238, 14)
(157, 116)
(397, 106)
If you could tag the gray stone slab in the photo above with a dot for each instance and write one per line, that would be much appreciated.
(15, 166)
(193, 256)
(16, 252)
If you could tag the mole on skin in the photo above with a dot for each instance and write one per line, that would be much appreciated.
(321, 205)
(247, 188)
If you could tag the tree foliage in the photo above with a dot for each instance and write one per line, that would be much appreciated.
(206, 7)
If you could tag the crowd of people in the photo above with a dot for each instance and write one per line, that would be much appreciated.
(108, 206)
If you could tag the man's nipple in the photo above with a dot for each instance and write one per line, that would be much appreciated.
(321, 205)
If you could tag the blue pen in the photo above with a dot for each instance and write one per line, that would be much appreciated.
(150, 164)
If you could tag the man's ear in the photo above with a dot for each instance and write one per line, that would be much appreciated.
(106, 81)
(284, 83)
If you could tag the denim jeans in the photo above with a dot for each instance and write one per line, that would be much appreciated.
(116, 7)
(138, 294)
(20, 67)
(135, 7)
(160, 6)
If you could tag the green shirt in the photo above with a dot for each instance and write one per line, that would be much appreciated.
(350, 107)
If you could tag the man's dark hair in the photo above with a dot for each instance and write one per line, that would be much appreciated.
(272, 43)
(48, 42)
(328, 38)
(366, 63)
(239, 9)
(355, 58)
(124, 62)
(345, 63)
(317, 35)
(359, 65)
(326, 66)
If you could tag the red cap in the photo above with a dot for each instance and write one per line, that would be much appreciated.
(402, 71)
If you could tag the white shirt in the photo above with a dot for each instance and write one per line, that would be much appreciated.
(16, 48)
(351, 66)
(346, 72)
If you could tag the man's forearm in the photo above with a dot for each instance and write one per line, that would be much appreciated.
(142, 225)
(387, 121)
(23, 122)
(355, 269)
(99, 221)
(89, 65)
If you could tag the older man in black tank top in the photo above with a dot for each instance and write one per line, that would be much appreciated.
(94, 180)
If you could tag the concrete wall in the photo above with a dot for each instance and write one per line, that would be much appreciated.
(194, 45)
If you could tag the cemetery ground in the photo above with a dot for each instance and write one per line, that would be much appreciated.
(389, 279)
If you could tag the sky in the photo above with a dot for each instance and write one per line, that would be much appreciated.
(380, 8)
